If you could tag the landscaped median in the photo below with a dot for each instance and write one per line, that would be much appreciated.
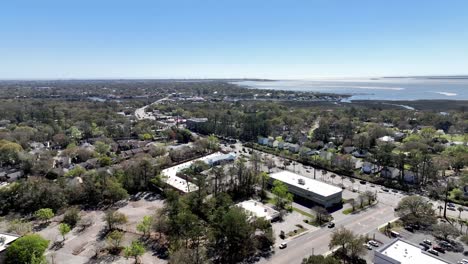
(366, 200)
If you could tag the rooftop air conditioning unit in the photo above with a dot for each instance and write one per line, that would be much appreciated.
(301, 181)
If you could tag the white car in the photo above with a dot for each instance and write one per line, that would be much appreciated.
(283, 245)
(428, 242)
(373, 243)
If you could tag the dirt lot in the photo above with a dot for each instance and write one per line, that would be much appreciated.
(81, 246)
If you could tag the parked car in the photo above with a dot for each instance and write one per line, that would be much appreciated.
(450, 205)
(427, 241)
(369, 247)
(283, 245)
(373, 243)
(331, 225)
(432, 251)
(362, 182)
(385, 190)
(409, 228)
(424, 246)
(395, 191)
(445, 244)
(438, 248)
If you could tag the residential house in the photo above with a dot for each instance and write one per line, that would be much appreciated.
(369, 168)
(294, 148)
(399, 136)
(465, 192)
(390, 173)
(348, 150)
(263, 141)
(409, 177)
(360, 153)
(386, 139)
(281, 144)
(326, 155)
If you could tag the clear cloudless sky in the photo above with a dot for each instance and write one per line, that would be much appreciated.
(232, 38)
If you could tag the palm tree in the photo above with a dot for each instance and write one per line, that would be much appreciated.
(352, 183)
(332, 177)
(461, 222)
(460, 210)
(440, 207)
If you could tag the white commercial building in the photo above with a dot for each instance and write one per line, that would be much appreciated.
(403, 252)
(257, 209)
(321, 193)
(182, 185)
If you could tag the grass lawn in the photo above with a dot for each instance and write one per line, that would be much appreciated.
(347, 211)
(296, 232)
(304, 213)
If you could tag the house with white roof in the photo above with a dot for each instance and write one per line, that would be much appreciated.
(257, 209)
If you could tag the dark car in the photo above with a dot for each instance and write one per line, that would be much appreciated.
(331, 225)
(438, 248)
(424, 246)
(362, 182)
(409, 228)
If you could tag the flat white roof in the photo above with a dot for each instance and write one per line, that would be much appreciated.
(258, 209)
(179, 183)
(310, 185)
(9, 238)
(407, 253)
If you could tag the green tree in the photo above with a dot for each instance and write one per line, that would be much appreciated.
(416, 210)
(114, 239)
(101, 148)
(445, 230)
(460, 210)
(213, 142)
(282, 196)
(231, 239)
(9, 152)
(27, 249)
(114, 218)
(264, 179)
(319, 259)
(64, 229)
(341, 237)
(135, 250)
(44, 214)
(145, 225)
(105, 161)
(71, 216)
(321, 214)
(77, 171)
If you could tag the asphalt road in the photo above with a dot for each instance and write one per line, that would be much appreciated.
(317, 241)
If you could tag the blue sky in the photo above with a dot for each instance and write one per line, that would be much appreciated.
(231, 38)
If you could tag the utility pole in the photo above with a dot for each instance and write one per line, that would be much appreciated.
(315, 163)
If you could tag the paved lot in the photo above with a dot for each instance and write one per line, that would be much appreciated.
(418, 237)
(80, 247)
